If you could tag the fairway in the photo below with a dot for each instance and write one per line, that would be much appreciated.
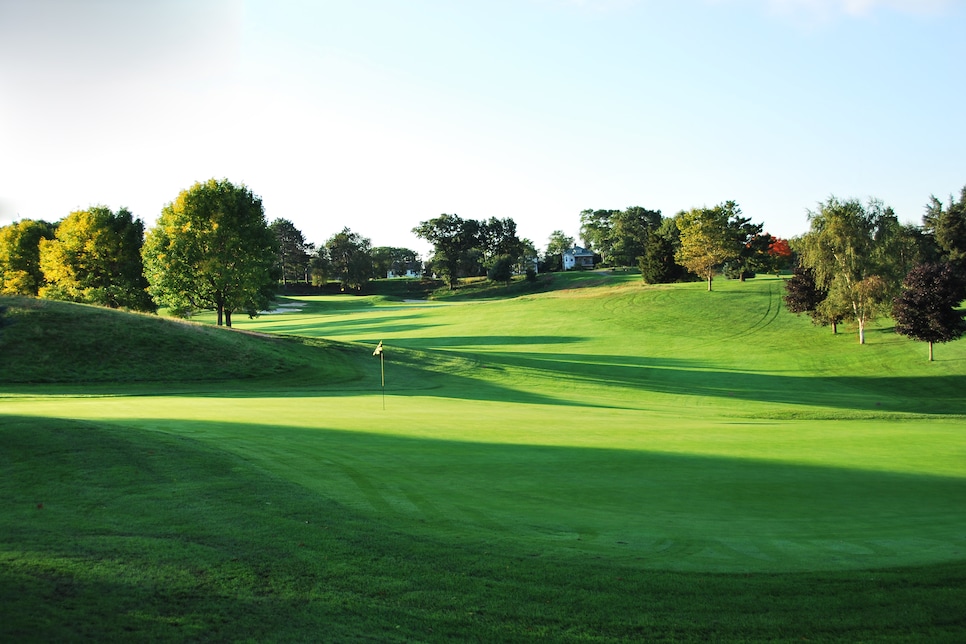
(653, 428)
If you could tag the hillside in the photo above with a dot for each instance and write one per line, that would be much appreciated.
(599, 462)
(44, 341)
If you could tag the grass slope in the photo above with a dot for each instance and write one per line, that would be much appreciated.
(599, 462)
(44, 341)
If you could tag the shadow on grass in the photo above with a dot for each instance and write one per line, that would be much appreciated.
(531, 377)
(111, 533)
(310, 327)
(940, 395)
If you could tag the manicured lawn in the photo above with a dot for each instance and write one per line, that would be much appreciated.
(599, 462)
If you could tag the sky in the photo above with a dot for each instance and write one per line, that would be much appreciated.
(379, 114)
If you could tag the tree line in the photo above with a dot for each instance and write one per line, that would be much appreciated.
(212, 249)
(468, 248)
(694, 244)
(858, 262)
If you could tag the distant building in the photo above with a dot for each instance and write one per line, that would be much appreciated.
(577, 257)
(406, 269)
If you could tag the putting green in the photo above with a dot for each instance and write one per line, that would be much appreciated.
(671, 427)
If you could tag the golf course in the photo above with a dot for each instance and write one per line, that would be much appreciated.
(590, 460)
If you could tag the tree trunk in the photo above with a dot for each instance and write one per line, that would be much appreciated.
(227, 318)
(710, 277)
(861, 331)
(221, 313)
(930, 351)
(835, 327)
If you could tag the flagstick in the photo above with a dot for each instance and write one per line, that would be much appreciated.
(382, 367)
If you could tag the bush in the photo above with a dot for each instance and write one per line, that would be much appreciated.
(501, 270)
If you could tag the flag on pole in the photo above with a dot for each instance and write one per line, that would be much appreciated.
(382, 369)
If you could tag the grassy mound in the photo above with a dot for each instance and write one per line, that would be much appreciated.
(44, 341)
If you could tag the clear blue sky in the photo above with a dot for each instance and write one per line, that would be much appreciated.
(379, 114)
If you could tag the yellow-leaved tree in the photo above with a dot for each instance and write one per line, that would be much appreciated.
(707, 241)
(95, 257)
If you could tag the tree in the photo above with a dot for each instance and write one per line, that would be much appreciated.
(618, 236)
(848, 249)
(928, 307)
(751, 245)
(95, 257)
(780, 254)
(293, 251)
(803, 295)
(498, 237)
(320, 268)
(707, 240)
(657, 264)
(350, 258)
(557, 243)
(597, 232)
(398, 261)
(631, 229)
(948, 226)
(20, 272)
(212, 249)
(456, 245)
(501, 269)
(899, 248)
(528, 260)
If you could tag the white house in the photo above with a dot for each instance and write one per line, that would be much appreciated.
(577, 257)
(405, 269)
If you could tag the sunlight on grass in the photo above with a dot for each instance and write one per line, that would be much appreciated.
(539, 464)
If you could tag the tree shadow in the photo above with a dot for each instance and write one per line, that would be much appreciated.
(694, 378)
(252, 554)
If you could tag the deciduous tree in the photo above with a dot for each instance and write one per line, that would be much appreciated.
(501, 269)
(320, 268)
(386, 259)
(707, 239)
(498, 237)
(928, 307)
(350, 258)
(456, 245)
(803, 295)
(212, 249)
(848, 250)
(95, 257)
(20, 272)
(557, 243)
(631, 229)
(597, 232)
(618, 236)
(781, 255)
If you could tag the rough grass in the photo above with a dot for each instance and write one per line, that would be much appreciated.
(44, 341)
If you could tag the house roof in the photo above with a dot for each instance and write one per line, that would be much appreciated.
(577, 251)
